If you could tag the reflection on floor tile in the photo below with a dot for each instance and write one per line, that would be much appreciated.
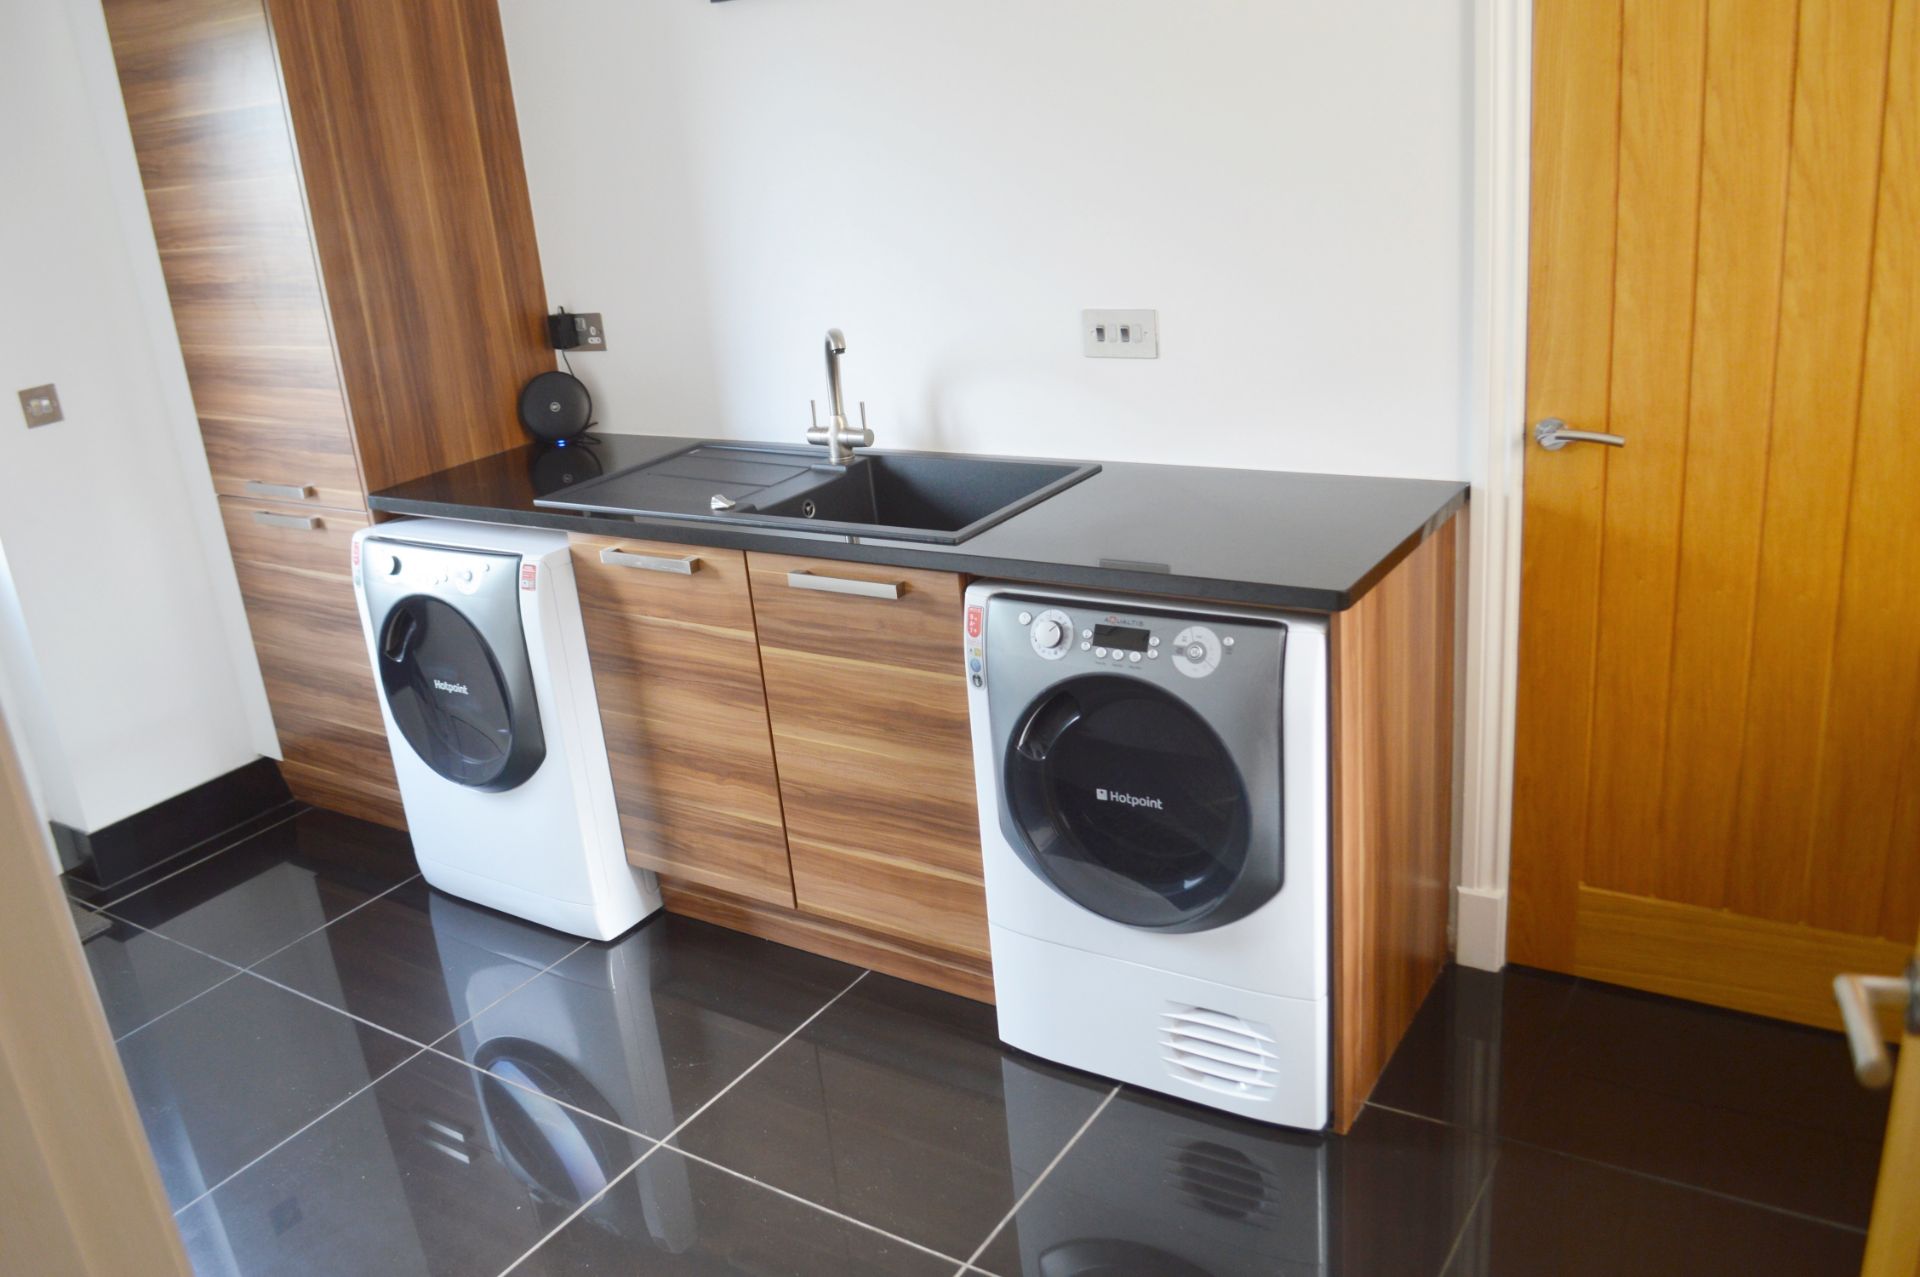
(412, 960)
(652, 1025)
(247, 902)
(1551, 1214)
(436, 1169)
(229, 1075)
(1529, 1123)
(678, 1216)
(898, 1107)
(142, 976)
(1158, 1186)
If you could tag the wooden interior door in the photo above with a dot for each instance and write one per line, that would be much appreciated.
(1717, 777)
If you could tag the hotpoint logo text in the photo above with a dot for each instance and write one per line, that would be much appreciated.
(1128, 800)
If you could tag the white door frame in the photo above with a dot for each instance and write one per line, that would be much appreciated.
(1503, 101)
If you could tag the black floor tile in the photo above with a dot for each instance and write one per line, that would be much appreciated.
(644, 1030)
(1545, 1213)
(1735, 1104)
(274, 888)
(1159, 1186)
(1476, 1035)
(141, 976)
(435, 1170)
(1670, 1088)
(674, 1215)
(416, 960)
(898, 1108)
(89, 894)
(227, 1076)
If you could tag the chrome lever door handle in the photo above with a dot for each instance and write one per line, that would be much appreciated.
(1553, 435)
(1858, 996)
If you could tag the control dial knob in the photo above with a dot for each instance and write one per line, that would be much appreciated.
(1051, 633)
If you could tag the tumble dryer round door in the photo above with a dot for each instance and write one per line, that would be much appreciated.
(452, 700)
(1122, 797)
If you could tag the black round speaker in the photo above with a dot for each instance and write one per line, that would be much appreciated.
(554, 406)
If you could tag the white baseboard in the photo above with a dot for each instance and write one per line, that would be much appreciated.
(1481, 935)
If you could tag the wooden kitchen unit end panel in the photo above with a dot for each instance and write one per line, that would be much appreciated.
(676, 669)
(1392, 750)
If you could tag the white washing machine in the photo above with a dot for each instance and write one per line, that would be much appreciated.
(480, 658)
(1153, 786)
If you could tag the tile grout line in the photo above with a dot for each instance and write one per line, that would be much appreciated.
(304, 1127)
(1473, 1211)
(1039, 1180)
(721, 1093)
(813, 1205)
(1704, 1191)
(582, 1208)
(420, 1049)
(235, 969)
(409, 1039)
(221, 983)
(118, 900)
(308, 935)
(1635, 1172)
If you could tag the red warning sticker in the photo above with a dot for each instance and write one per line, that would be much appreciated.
(976, 620)
(356, 554)
(529, 572)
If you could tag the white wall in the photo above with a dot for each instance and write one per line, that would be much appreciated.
(1286, 181)
(126, 661)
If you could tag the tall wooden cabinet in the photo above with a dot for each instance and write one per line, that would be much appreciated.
(357, 299)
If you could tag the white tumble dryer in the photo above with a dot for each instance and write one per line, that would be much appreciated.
(1153, 787)
(480, 661)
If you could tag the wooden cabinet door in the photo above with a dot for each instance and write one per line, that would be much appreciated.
(297, 582)
(677, 672)
(869, 708)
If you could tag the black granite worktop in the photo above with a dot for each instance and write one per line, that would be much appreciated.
(1272, 538)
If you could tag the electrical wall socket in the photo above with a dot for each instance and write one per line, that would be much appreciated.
(1120, 334)
(41, 406)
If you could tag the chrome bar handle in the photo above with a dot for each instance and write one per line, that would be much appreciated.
(284, 491)
(1859, 996)
(680, 565)
(298, 522)
(843, 585)
(1553, 435)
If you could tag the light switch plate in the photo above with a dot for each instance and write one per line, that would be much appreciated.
(41, 405)
(1120, 334)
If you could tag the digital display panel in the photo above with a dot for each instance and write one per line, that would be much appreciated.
(1120, 638)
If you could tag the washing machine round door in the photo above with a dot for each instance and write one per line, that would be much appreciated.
(451, 699)
(1123, 798)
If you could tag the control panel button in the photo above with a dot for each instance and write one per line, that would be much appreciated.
(1100, 652)
(1196, 651)
(1153, 640)
(1153, 654)
(1026, 618)
(1134, 657)
(1084, 645)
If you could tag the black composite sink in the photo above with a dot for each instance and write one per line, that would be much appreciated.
(902, 496)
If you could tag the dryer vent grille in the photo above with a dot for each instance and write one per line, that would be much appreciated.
(1220, 1052)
